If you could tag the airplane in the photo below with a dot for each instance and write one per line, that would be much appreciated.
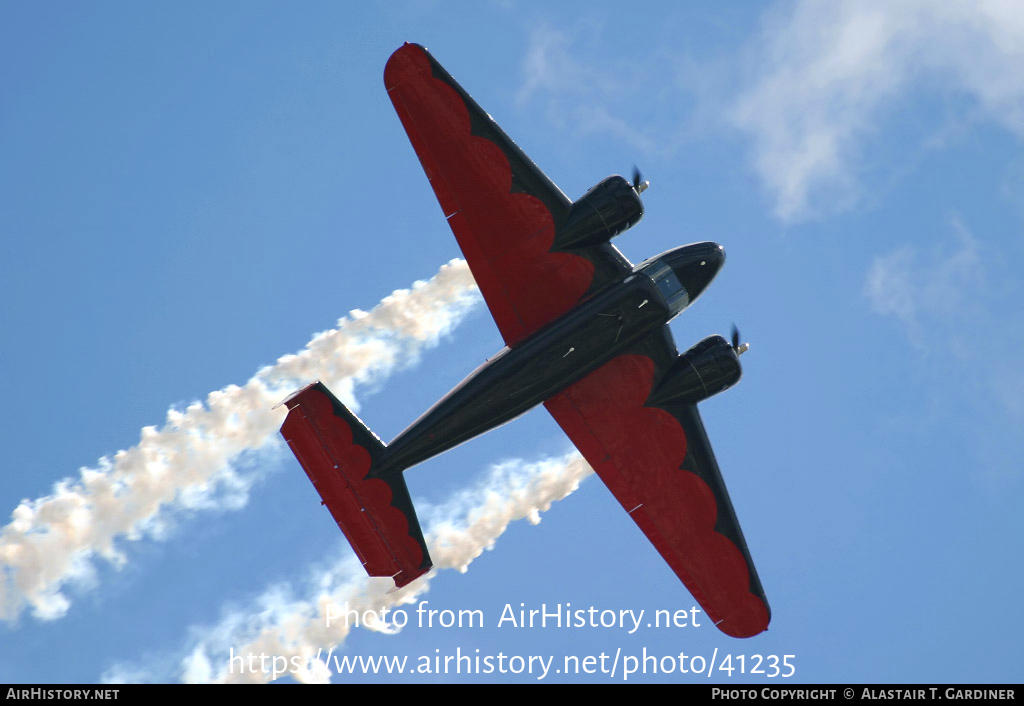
(586, 335)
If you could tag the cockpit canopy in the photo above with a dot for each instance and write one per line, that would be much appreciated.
(682, 274)
(669, 286)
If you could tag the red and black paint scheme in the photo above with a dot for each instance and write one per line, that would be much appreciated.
(374, 511)
(587, 336)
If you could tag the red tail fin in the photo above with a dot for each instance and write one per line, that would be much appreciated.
(376, 514)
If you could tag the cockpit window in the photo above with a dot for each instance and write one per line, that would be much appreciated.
(668, 284)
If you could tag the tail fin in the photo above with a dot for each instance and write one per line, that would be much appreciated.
(338, 453)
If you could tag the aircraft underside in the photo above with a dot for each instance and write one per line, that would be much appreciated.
(586, 335)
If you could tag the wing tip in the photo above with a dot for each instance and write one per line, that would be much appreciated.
(402, 60)
(751, 620)
(405, 577)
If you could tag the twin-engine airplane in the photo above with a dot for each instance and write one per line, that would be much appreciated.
(587, 336)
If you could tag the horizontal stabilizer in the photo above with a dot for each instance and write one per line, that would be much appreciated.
(338, 453)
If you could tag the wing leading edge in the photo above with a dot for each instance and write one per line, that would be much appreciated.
(658, 462)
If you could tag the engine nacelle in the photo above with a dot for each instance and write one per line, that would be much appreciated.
(708, 368)
(599, 215)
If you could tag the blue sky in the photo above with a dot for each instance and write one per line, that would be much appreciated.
(192, 191)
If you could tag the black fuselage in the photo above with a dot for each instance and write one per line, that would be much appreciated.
(519, 378)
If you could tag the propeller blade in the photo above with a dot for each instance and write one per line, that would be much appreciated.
(639, 185)
(740, 348)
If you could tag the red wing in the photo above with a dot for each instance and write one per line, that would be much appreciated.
(503, 210)
(659, 465)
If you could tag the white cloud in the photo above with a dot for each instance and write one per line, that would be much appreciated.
(581, 96)
(938, 290)
(957, 303)
(826, 72)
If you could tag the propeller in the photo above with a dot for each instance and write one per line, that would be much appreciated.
(639, 185)
(740, 348)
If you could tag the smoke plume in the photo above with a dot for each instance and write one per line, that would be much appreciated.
(191, 462)
(296, 631)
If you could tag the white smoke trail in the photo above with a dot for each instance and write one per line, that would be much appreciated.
(458, 532)
(55, 539)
